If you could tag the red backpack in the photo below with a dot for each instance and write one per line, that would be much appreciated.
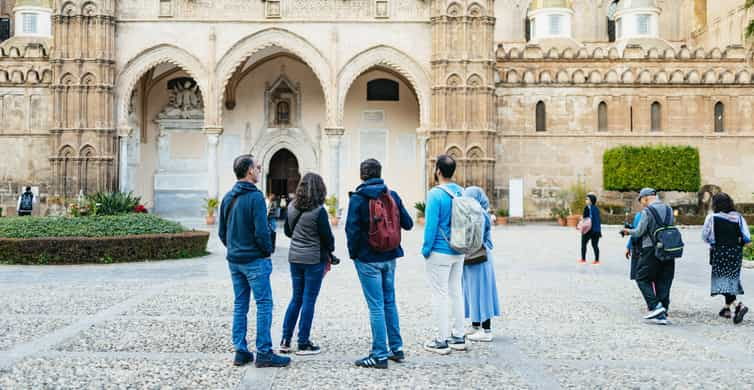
(384, 223)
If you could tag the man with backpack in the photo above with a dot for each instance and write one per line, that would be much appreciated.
(25, 204)
(661, 243)
(245, 231)
(453, 229)
(376, 216)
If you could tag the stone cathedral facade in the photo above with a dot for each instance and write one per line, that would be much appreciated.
(158, 96)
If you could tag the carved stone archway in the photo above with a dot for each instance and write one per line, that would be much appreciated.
(148, 59)
(244, 49)
(296, 141)
(395, 60)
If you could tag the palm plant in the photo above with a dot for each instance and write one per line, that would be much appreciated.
(750, 27)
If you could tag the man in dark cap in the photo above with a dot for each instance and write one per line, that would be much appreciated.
(653, 276)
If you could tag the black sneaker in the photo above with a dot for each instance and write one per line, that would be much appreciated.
(285, 346)
(437, 346)
(397, 356)
(457, 343)
(725, 313)
(271, 360)
(372, 362)
(741, 311)
(307, 349)
(243, 358)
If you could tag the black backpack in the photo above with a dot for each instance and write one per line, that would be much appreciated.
(27, 200)
(667, 239)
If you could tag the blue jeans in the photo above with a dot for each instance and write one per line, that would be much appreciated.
(378, 284)
(306, 280)
(252, 277)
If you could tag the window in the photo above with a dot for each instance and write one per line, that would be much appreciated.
(611, 20)
(602, 117)
(719, 117)
(283, 113)
(642, 24)
(383, 90)
(29, 22)
(4, 29)
(556, 24)
(656, 116)
(541, 117)
(527, 28)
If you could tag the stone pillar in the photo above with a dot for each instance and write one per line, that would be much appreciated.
(213, 139)
(334, 138)
(123, 183)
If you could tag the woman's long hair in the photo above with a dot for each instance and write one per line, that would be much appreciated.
(311, 192)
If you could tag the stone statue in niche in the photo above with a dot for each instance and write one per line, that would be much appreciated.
(185, 100)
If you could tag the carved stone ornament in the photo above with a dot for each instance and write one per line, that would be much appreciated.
(185, 100)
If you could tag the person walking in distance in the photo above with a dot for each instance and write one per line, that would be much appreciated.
(444, 264)
(479, 286)
(726, 233)
(312, 241)
(654, 275)
(25, 205)
(244, 230)
(591, 229)
(375, 218)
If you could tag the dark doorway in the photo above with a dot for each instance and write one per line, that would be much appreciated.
(283, 175)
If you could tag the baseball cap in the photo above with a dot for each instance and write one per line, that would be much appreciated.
(647, 192)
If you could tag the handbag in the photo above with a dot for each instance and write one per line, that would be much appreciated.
(585, 225)
(477, 257)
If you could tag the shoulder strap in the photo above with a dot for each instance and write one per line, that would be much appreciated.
(656, 216)
(448, 191)
(295, 221)
(230, 208)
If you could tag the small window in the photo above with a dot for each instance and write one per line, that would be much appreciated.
(383, 90)
(656, 116)
(541, 117)
(4, 29)
(527, 28)
(602, 117)
(642, 26)
(556, 22)
(719, 117)
(283, 113)
(611, 9)
(29, 22)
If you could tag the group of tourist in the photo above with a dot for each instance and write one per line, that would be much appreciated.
(457, 251)
(460, 274)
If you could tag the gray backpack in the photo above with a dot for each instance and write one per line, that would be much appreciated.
(466, 224)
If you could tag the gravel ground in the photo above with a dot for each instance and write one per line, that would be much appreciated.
(167, 325)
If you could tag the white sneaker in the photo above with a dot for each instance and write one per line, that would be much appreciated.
(481, 336)
(471, 330)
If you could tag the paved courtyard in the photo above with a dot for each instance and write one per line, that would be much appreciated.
(564, 325)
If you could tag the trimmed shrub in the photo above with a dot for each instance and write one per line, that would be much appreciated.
(664, 168)
(104, 250)
(99, 226)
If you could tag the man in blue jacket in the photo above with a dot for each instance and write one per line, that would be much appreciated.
(244, 230)
(376, 269)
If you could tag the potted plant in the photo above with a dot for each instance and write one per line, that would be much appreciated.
(210, 205)
(560, 214)
(577, 195)
(502, 217)
(420, 208)
(332, 209)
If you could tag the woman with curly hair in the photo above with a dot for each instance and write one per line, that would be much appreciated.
(312, 242)
(726, 233)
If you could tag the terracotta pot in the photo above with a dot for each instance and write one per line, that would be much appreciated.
(420, 221)
(502, 220)
(573, 220)
(562, 221)
(210, 220)
(334, 221)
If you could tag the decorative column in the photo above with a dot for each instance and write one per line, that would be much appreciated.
(213, 139)
(123, 134)
(334, 138)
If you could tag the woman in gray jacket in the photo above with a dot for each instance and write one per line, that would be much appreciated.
(312, 242)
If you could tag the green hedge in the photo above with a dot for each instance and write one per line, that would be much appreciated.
(100, 226)
(664, 168)
(749, 250)
(104, 250)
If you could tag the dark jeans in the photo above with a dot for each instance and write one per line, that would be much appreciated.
(306, 280)
(486, 324)
(247, 278)
(378, 284)
(654, 278)
(595, 238)
(24, 213)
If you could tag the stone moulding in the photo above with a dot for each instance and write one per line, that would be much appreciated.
(635, 76)
(735, 53)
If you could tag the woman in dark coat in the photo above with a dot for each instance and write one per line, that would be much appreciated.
(726, 233)
(595, 233)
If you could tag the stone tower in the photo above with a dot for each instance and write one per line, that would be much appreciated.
(83, 139)
(463, 91)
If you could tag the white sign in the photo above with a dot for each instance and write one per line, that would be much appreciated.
(516, 198)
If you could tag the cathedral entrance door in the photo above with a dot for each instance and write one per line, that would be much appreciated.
(283, 176)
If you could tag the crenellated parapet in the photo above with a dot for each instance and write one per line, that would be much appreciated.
(24, 63)
(532, 64)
